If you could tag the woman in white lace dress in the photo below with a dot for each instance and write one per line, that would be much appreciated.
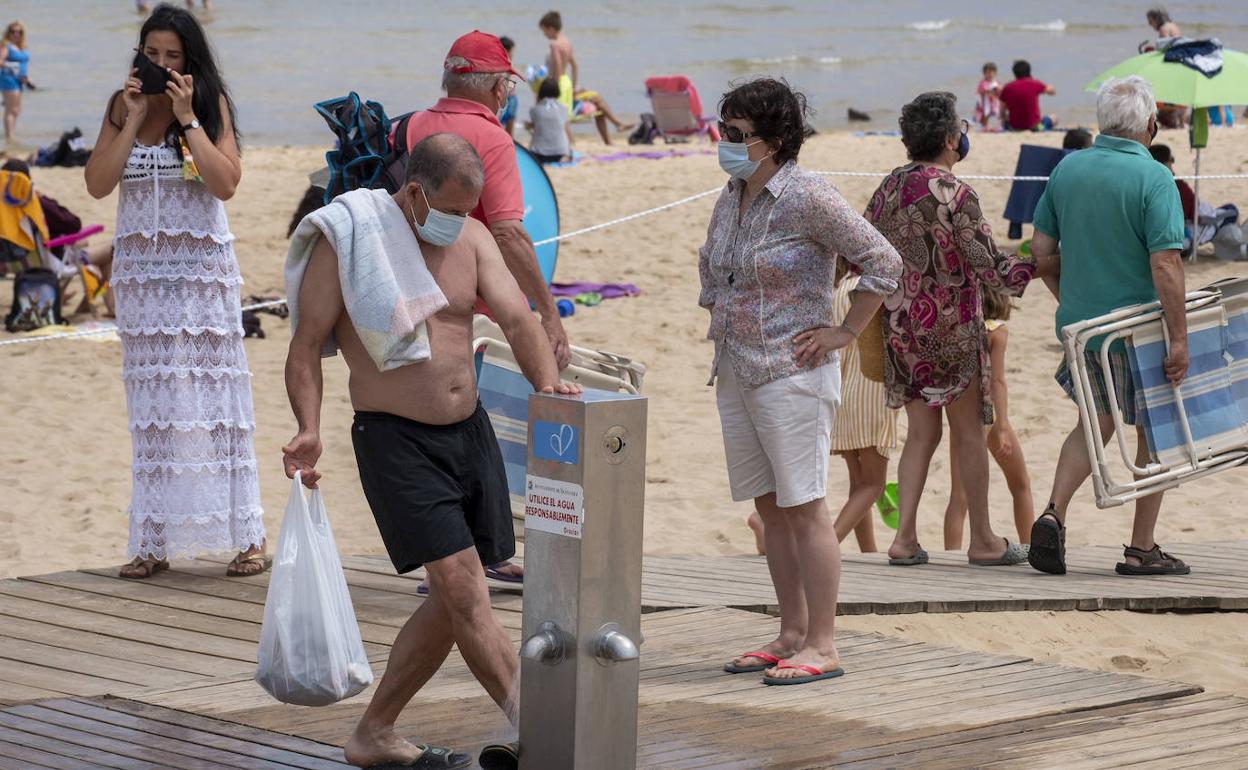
(176, 282)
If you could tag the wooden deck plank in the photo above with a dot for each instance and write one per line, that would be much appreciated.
(1219, 580)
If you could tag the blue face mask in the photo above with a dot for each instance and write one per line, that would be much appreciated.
(440, 228)
(734, 159)
(964, 146)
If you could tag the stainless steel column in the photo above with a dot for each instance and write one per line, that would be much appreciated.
(585, 495)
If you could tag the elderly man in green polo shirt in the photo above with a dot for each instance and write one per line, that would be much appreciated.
(1113, 222)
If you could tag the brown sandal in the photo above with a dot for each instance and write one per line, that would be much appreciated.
(1152, 562)
(235, 567)
(148, 568)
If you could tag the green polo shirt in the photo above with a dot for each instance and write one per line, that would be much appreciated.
(1110, 206)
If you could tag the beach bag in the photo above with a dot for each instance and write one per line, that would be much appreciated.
(647, 130)
(310, 652)
(365, 155)
(871, 349)
(36, 301)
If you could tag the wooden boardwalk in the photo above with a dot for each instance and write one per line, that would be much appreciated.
(177, 653)
(1219, 581)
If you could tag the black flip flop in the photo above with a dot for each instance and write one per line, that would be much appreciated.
(1048, 544)
(432, 758)
(500, 756)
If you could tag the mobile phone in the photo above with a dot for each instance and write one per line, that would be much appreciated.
(152, 77)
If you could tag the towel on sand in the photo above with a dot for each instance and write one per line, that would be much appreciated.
(386, 288)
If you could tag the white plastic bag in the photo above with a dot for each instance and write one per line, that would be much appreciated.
(311, 653)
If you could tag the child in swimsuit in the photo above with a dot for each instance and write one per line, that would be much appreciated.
(1003, 443)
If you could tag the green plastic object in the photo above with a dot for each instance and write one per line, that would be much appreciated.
(1198, 132)
(887, 505)
(1024, 248)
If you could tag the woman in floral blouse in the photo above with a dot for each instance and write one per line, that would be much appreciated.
(936, 354)
(766, 271)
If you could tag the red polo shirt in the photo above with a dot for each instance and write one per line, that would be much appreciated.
(502, 198)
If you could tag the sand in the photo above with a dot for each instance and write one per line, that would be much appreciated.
(66, 451)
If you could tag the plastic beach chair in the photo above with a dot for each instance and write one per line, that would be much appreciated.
(678, 108)
(1193, 430)
(504, 394)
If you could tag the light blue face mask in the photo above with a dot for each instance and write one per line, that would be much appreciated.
(734, 159)
(440, 228)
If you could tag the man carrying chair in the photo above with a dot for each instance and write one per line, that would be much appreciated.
(1113, 221)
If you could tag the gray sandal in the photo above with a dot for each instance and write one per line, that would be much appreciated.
(909, 561)
(1014, 554)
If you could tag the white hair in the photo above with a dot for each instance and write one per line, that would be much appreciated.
(1124, 105)
(466, 81)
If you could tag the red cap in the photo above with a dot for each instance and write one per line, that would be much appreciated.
(484, 53)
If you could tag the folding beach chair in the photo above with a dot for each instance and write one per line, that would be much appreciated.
(505, 393)
(1193, 430)
(678, 109)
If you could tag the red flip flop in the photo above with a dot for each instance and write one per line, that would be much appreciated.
(772, 660)
(815, 674)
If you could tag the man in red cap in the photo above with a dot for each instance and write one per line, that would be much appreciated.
(477, 77)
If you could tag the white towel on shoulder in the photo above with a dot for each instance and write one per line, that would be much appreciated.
(386, 287)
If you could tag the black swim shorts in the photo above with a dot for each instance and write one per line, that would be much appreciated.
(434, 489)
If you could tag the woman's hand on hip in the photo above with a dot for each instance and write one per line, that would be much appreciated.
(180, 89)
(813, 345)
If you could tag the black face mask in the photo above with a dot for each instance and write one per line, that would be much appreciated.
(153, 77)
(1152, 132)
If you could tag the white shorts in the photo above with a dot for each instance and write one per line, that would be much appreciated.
(777, 437)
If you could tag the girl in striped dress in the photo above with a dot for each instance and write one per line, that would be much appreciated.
(863, 433)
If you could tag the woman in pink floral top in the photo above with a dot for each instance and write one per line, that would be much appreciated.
(936, 354)
(766, 272)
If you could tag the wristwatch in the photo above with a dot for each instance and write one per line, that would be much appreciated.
(193, 124)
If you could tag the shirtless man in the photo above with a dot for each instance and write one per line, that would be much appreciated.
(559, 61)
(428, 459)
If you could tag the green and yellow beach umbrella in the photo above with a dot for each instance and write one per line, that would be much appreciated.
(1176, 83)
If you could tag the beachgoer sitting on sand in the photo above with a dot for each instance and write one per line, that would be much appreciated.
(936, 360)
(1003, 443)
(767, 266)
(428, 458)
(1187, 197)
(561, 66)
(988, 100)
(1077, 139)
(1020, 101)
(1117, 216)
(548, 120)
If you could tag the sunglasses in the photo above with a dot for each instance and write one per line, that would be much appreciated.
(734, 134)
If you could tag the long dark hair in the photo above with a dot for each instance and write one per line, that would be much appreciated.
(200, 64)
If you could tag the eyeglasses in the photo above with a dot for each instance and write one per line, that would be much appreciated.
(734, 134)
(510, 83)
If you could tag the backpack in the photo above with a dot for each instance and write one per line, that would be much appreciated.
(647, 130)
(36, 301)
(365, 155)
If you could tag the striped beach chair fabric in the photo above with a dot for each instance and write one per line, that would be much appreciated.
(1215, 418)
(1193, 431)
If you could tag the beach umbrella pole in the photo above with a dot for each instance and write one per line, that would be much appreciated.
(1195, 209)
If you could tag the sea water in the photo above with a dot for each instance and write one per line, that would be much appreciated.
(281, 56)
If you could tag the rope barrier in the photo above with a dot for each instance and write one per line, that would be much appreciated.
(1004, 178)
(113, 330)
(630, 218)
